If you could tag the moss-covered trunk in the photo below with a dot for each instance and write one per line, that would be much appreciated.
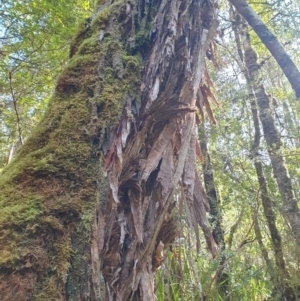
(86, 203)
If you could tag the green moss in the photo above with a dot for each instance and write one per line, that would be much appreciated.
(90, 45)
(142, 39)
(10, 254)
(115, 90)
(81, 61)
(21, 213)
(83, 32)
(61, 256)
(48, 193)
(101, 19)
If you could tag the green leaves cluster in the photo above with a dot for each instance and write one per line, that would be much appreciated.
(35, 38)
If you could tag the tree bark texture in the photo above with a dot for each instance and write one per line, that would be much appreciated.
(87, 201)
(270, 41)
(290, 207)
(281, 276)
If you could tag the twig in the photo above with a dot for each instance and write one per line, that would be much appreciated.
(15, 105)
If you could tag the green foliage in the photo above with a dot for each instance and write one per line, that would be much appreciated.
(34, 40)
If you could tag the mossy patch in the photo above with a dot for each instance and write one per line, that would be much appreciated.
(49, 191)
(101, 19)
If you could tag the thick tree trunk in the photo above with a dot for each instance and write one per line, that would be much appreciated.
(271, 42)
(87, 201)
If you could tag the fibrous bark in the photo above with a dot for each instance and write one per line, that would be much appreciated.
(269, 39)
(87, 200)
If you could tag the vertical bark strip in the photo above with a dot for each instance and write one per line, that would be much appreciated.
(84, 213)
(269, 39)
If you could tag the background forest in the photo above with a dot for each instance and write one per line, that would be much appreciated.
(258, 256)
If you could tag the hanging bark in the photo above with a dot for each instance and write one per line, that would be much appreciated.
(270, 41)
(86, 210)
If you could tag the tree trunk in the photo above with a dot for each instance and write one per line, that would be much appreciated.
(86, 203)
(216, 217)
(281, 277)
(270, 41)
(290, 207)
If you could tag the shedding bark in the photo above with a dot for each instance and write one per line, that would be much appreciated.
(95, 212)
(270, 41)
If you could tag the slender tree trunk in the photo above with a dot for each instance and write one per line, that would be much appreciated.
(86, 203)
(290, 207)
(281, 277)
(262, 247)
(271, 42)
(216, 218)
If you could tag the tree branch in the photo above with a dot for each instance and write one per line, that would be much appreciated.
(271, 42)
(15, 105)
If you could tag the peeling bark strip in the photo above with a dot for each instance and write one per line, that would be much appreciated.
(284, 61)
(93, 187)
(160, 149)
